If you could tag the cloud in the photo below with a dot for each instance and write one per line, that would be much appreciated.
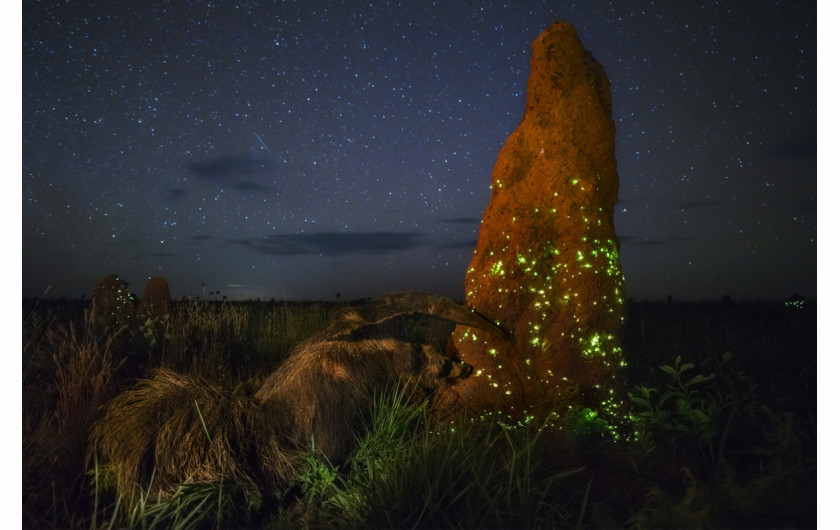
(805, 207)
(462, 220)
(464, 243)
(156, 255)
(244, 185)
(657, 242)
(803, 147)
(336, 243)
(227, 167)
(230, 169)
(176, 194)
(697, 204)
(630, 240)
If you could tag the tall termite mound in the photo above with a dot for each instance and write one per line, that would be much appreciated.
(546, 263)
(156, 298)
(112, 304)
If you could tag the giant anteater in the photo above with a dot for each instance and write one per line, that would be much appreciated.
(180, 429)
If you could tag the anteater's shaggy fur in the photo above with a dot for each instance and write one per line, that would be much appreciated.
(186, 430)
(178, 429)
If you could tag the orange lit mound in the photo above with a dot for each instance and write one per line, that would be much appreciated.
(156, 297)
(546, 264)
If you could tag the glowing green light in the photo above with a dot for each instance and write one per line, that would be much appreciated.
(795, 304)
(498, 268)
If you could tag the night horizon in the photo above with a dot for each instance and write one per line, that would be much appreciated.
(294, 153)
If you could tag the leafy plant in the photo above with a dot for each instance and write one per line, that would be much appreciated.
(738, 457)
(689, 408)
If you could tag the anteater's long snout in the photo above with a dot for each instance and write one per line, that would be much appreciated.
(461, 315)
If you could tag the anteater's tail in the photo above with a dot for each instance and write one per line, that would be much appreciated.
(174, 429)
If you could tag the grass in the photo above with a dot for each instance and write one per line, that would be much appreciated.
(409, 472)
(724, 400)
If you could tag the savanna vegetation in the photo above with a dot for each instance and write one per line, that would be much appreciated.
(723, 400)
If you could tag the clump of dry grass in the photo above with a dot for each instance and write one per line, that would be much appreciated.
(174, 429)
(68, 375)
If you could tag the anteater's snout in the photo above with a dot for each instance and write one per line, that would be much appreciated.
(455, 369)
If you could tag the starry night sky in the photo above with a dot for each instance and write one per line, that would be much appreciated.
(295, 150)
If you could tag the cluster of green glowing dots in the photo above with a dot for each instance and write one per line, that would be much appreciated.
(547, 279)
(531, 263)
(604, 346)
(505, 386)
(123, 305)
(557, 421)
(549, 283)
(795, 304)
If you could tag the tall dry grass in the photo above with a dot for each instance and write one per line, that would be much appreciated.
(68, 374)
(224, 341)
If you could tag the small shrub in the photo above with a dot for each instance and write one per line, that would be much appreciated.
(739, 459)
